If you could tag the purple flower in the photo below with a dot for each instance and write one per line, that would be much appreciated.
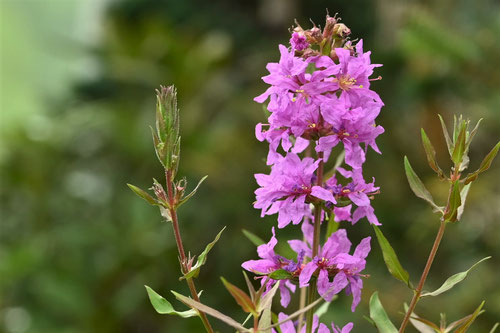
(334, 260)
(353, 77)
(299, 41)
(358, 192)
(346, 329)
(288, 188)
(269, 263)
(351, 126)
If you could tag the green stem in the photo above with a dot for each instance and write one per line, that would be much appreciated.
(311, 291)
(180, 248)
(418, 291)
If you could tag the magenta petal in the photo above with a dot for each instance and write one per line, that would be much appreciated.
(321, 193)
(363, 248)
(339, 282)
(306, 273)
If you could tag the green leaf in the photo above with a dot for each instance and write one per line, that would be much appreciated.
(417, 186)
(391, 259)
(162, 306)
(431, 154)
(459, 148)
(494, 328)
(143, 194)
(241, 297)
(463, 196)
(451, 211)
(453, 280)
(379, 316)
(465, 326)
(187, 197)
(256, 240)
(202, 259)
(280, 274)
(210, 311)
(485, 164)
(449, 143)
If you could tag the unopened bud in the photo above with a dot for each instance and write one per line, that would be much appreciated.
(314, 35)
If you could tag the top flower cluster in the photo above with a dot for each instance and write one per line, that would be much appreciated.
(320, 95)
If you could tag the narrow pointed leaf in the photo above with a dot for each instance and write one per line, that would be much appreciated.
(391, 259)
(449, 143)
(457, 323)
(162, 306)
(379, 316)
(485, 164)
(187, 197)
(265, 321)
(256, 240)
(202, 258)
(241, 297)
(422, 325)
(451, 211)
(465, 326)
(459, 148)
(143, 194)
(210, 311)
(331, 227)
(431, 154)
(417, 186)
(494, 328)
(250, 286)
(267, 300)
(463, 197)
(453, 280)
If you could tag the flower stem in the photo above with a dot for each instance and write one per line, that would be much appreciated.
(311, 291)
(418, 291)
(180, 248)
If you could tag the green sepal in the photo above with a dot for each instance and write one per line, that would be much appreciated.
(379, 316)
(418, 187)
(162, 306)
(453, 280)
(280, 274)
(391, 259)
(202, 259)
(143, 195)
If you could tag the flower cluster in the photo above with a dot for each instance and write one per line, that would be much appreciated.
(318, 98)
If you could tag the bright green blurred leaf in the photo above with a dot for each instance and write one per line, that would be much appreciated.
(256, 240)
(379, 316)
(162, 306)
(417, 186)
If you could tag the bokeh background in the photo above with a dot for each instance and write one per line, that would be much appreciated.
(77, 96)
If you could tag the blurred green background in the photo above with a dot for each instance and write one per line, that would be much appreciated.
(77, 96)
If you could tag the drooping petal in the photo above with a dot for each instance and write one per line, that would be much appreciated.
(321, 193)
(363, 248)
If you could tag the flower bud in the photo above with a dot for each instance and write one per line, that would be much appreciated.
(314, 35)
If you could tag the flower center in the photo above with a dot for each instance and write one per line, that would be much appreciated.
(346, 82)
